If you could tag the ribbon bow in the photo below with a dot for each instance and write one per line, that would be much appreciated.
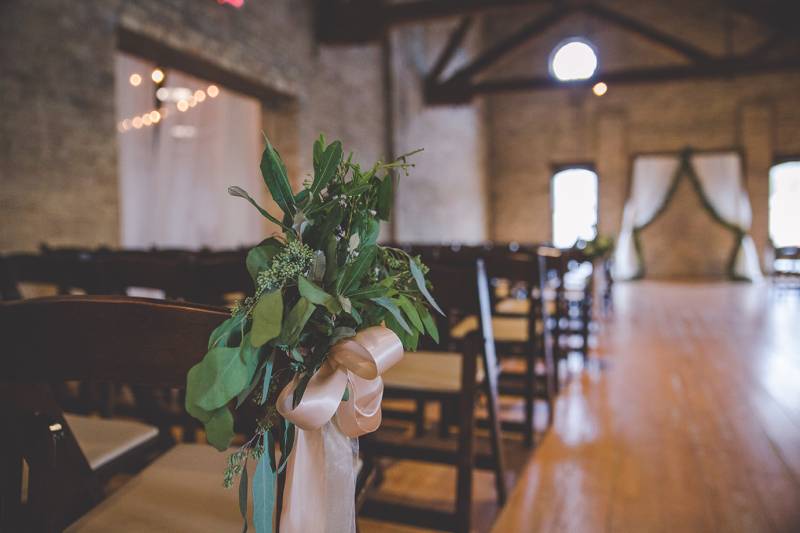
(321, 468)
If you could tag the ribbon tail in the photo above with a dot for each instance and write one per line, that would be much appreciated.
(320, 483)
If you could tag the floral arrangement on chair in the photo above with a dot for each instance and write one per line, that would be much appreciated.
(331, 311)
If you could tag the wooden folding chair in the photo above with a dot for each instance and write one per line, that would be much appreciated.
(448, 373)
(101, 338)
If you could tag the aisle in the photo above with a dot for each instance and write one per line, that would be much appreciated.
(690, 424)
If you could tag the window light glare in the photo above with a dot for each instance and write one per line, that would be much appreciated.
(573, 60)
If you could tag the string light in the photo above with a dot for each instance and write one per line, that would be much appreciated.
(600, 88)
(155, 116)
(135, 79)
(183, 105)
(199, 95)
(212, 91)
(137, 122)
(157, 75)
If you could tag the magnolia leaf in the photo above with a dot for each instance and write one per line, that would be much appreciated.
(267, 318)
(224, 373)
(258, 258)
(274, 174)
(318, 267)
(385, 193)
(428, 322)
(355, 240)
(219, 428)
(346, 304)
(263, 495)
(419, 277)
(354, 272)
(243, 496)
(342, 333)
(331, 266)
(316, 295)
(325, 166)
(412, 314)
(233, 190)
(296, 321)
(391, 306)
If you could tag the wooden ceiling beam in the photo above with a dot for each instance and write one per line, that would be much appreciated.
(455, 92)
(453, 42)
(688, 50)
(510, 43)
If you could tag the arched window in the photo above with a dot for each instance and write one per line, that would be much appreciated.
(574, 203)
(573, 59)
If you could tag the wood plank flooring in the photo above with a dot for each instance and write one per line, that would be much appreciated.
(688, 421)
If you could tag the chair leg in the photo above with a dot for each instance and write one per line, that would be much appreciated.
(419, 418)
(466, 456)
(495, 435)
(530, 392)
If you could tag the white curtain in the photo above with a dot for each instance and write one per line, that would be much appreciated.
(174, 174)
(720, 179)
(652, 179)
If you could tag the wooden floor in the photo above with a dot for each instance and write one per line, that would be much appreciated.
(688, 421)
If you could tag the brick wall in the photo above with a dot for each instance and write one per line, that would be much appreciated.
(531, 132)
(58, 164)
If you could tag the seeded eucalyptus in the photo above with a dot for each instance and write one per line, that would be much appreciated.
(322, 279)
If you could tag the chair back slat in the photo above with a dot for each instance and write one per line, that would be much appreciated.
(104, 338)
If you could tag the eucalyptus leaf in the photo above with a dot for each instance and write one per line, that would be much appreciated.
(428, 322)
(267, 318)
(263, 495)
(408, 309)
(316, 295)
(296, 321)
(259, 258)
(222, 333)
(224, 373)
(419, 278)
(391, 306)
(409, 339)
(355, 271)
(243, 496)
(219, 428)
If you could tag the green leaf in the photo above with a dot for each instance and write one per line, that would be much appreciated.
(325, 166)
(342, 333)
(263, 495)
(419, 277)
(241, 193)
(314, 294)
(369, 231)
(409, 339)
(391, 306)
(258, 258)
(267, 379)
(409, 310)
(428, 322)
(255, 379)
(274, 173)
(223, 332)
(243, 496)
(356, 271)
(300, 389)
(319, 149)
(372, 291)
(385, 194)
(224, 373)
(267, 318)
(219, 428)
(296, 321)
(317, 271)
(331, 267)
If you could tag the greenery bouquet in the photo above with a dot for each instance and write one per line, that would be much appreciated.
(319, 283)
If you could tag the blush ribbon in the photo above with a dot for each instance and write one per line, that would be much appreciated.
(320, 476)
